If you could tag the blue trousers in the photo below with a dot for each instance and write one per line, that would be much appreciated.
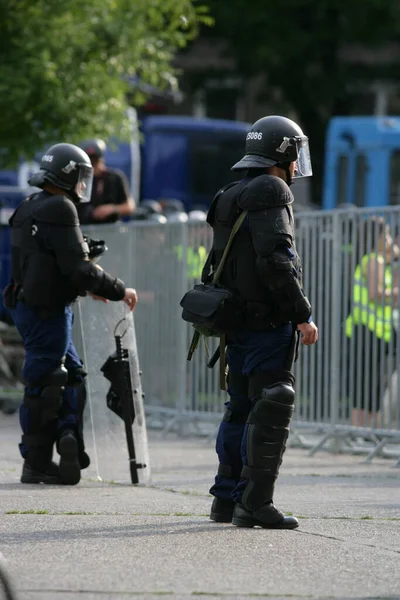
(248, 352)
(46, 343)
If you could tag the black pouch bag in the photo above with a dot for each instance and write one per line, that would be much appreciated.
(210, 307)
(204, 307)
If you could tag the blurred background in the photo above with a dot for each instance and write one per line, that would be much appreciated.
(167, 90)
(69, 72)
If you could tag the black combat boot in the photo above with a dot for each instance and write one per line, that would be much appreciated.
(38, 466)
(268, 517)
(50, 476)
(222, 510)
(84, 459)
(70, 468)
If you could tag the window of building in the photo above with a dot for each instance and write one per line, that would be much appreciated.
(395, 178)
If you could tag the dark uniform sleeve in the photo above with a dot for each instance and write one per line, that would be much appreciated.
(272, 242)
(121, 187)
(58, 227)
(271, 225)
(85, 213)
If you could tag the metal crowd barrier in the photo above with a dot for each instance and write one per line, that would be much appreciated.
(347, 387)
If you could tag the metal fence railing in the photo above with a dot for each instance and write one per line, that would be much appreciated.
(347, 391)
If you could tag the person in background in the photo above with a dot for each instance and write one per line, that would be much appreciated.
(110, 199)
(370, 323)
(170, 206)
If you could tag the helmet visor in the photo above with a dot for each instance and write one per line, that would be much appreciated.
(83, 187)
(303, 166)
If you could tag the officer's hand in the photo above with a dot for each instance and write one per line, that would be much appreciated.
(104, 211)
(130, 298)
(309, 333)
(95, 297)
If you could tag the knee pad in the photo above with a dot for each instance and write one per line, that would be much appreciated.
(239, 406)
(269, 420)
(47, 403)
(274, 396)
(260, 381)
(275, 407)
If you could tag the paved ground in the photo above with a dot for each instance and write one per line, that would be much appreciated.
(111, 541)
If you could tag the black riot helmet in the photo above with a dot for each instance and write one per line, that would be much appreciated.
(69, 168)
(95, 148)
(277, 141)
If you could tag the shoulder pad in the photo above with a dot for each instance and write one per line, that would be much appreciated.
(57, 210)
(271, 228)
(265, 191)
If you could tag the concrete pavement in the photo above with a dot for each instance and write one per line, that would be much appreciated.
(113, 541)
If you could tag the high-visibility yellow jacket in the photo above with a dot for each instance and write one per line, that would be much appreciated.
(196, 258)
(377, 317)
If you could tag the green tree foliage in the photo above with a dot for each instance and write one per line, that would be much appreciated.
(66, 66)
(299, 46)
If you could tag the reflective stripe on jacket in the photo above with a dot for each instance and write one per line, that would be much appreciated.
(366, 312)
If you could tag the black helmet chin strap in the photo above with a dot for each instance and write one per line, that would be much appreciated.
(285, 167)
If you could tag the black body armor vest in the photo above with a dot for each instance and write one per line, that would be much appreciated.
(268, 225)
(34, 267)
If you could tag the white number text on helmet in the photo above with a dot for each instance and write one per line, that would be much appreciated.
(254, 135)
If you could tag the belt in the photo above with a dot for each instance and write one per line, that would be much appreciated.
(43, 312)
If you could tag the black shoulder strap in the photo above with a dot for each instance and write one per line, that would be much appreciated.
(210, 218)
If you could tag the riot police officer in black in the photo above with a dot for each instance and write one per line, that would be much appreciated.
(264, 273)
(50, 269)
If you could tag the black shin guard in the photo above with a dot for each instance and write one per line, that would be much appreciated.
(267, 433)
(76, 379)
(43, 410)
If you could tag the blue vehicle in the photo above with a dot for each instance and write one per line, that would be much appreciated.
(181, 158)
(189, 159)
(362, 162)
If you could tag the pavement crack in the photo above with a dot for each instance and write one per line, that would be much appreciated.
(337, 539)
(170, 593)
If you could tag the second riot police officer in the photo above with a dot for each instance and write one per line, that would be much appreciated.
(263, 271)
(50, 269)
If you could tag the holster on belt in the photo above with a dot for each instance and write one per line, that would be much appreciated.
(11, 295)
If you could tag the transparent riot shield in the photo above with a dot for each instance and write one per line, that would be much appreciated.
(115, 411)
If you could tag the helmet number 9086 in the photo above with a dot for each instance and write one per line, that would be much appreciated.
(254, 135)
